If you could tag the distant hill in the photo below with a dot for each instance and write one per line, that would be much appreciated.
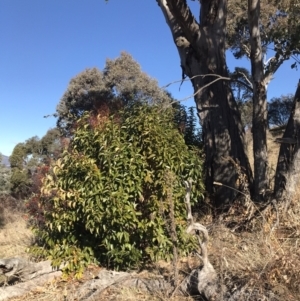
(5, 160)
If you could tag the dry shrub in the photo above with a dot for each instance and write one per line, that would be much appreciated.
(9, 208)
(256, 251)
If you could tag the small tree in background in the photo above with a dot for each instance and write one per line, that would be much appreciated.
(241, 84)
(121, 83)
(27, 157)
(20, 180)
(110, 200)
(279, 110)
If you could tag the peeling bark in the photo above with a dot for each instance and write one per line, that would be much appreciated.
(202, 59)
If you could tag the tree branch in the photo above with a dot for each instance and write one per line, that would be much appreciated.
(219, 77)
(272, 66)
(170, 19)
(187, 22)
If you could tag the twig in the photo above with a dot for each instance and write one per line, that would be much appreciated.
(250, 87)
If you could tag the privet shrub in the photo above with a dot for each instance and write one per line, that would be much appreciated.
(112, 199)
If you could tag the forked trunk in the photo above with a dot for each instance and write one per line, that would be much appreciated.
(287, 177)
(201, 48)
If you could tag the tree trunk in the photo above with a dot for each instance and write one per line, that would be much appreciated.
(259, 123)
(288, 166)
(201, 48)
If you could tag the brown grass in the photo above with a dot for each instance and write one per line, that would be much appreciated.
(15, 236)
(247, 248)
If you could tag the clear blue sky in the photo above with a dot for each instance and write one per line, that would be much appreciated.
(44, 43)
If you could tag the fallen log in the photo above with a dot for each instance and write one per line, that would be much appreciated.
(29, 275)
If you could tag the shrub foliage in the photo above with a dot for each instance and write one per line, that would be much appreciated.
(114, 194)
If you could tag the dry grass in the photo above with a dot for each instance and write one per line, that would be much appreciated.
(251, 250)
(15, 236)
(247, 248)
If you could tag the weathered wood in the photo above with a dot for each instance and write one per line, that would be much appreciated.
(29, 275)
(204, 280)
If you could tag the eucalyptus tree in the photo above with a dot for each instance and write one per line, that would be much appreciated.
(252, 28)
(259, 121)
(255, 28)
(201, 45)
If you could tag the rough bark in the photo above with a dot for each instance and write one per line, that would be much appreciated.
(287, 175)
(259, 123)
(201, 47)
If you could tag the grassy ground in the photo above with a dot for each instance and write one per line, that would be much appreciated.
(245, 248)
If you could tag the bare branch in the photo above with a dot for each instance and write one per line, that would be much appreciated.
(272, 66)
(204, 280)
(219, 77)
(196, 228)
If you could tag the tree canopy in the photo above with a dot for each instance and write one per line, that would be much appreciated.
(279, 110)
(280, 30)
(120, 83)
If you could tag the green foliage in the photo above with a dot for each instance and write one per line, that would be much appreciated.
(279, 28)
(186, 121)
(192, 133)
(110, 193)
(5, 174)
(27, 156)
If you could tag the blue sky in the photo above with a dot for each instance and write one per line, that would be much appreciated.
(44, 43)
